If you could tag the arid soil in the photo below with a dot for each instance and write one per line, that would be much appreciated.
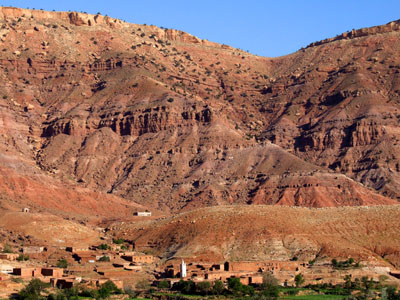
(45, 229)
(260, 232)
(102, 117)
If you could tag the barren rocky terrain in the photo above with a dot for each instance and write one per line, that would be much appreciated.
(265, 233)
(102, 117)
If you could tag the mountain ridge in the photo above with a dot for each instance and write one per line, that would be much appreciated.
(169, 122)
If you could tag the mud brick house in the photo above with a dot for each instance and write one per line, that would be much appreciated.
(85, 256)
(9, 256)
(27, 272)
(53, 272)
(249, 272)
(74, 249)
(32, 250)
(254, 279)
(30, 272)
(261, 266)
(63, 283)
(142, 213)
(135, 258)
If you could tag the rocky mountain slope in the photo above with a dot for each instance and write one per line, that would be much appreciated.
(262, 233)
(98, 113)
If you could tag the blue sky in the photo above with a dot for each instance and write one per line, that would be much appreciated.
(263, 27)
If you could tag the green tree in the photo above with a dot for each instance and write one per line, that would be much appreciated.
(189, 287)
(163, 284)
(90, 293)
(203, 287)
(33, 291)
(270, 286)
(268, 280)
(299, 279)
(102, 246)
(69, 294)
(347, 282)
(234, 285)
(334, 262)
(392, 294)
(218, 287)
(350, 261)
(62, 263)
(366, 282)
(108, 288)
(22, 257)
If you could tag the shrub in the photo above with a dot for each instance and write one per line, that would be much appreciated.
(118, 241)
(33, 290)
(234, 284)
(90, 293)
(170, 100)
(108, 288)
(22, 257)
(104, 258)
(218, 287)
(7, 249)
(269, 281)
(203, 287)
(185, 287)
(163, 284)
(299, 279)
(130, 292)
(62, 263)
(102, 247)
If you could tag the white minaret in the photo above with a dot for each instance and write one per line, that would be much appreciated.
(183, 269)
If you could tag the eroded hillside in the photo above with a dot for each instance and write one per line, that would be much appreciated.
(138, 115)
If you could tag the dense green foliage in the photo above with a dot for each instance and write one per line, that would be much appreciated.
(118, 241)
(103, 247)
(36, 290)
(358, 289)
(22, 257)
(345, 264)
(270, 286)
(299, 279)
(163, 284)
(33, 291)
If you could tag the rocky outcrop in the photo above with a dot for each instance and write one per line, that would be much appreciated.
(73, 18)
(355, 33)
(366, 132)
(134, 123)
